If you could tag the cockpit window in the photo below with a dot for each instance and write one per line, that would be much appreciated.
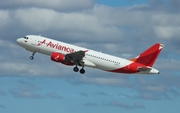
(25, 37)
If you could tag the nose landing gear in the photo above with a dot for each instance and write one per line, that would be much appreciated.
(32, 57)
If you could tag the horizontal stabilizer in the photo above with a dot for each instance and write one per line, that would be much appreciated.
(144, 69)
(148, 70)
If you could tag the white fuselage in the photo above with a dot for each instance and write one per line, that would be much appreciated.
(92, 58)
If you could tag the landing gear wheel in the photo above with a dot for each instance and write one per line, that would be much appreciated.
(31, 57)
(76, 69)
(82, 71)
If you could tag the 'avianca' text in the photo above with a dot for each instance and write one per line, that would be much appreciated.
(56, 46)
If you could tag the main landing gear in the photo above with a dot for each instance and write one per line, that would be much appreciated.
(32, 57)
(76, 69)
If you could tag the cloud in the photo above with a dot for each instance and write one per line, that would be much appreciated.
(54, 95)
(65, 5)
(84, 94)
(21, 69)
(13, 62)
(25, 92)
(174, 5)
(2, 93)
(172, 64)
(89, 104)
(126, 106)
(120, 82)
(7, 44)
(167, 32)
(2, 106)
(168, 6)
(130, 96)
(4, 19)
(24, 82)
(167, 87)
(100, 24)
(117, 104)
(102, 94)
(40, 23)
(69, 24)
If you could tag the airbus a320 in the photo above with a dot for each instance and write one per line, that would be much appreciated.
(76, 56)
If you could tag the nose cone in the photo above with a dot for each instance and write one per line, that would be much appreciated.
(19, 41)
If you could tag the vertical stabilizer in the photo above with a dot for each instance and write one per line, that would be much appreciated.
(149, 56)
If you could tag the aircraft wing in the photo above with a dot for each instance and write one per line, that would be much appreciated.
(76, 56)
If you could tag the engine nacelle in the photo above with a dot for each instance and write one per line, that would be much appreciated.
(57, 57)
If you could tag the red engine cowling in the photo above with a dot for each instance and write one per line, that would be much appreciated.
(58, 57)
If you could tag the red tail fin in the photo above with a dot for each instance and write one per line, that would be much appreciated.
(149, 56)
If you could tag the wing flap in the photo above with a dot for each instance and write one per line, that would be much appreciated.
(76, 56)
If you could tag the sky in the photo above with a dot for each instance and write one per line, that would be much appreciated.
(123, 28)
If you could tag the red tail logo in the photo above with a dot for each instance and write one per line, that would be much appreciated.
(149, 56)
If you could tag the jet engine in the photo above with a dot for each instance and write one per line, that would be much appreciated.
(58, 57)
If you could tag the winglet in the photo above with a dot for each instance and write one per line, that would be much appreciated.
(86, 50)
(149, 56)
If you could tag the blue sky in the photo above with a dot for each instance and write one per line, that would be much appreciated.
(123, 28)
(120, 3)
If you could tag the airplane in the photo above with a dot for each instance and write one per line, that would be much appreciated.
(76, 56)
